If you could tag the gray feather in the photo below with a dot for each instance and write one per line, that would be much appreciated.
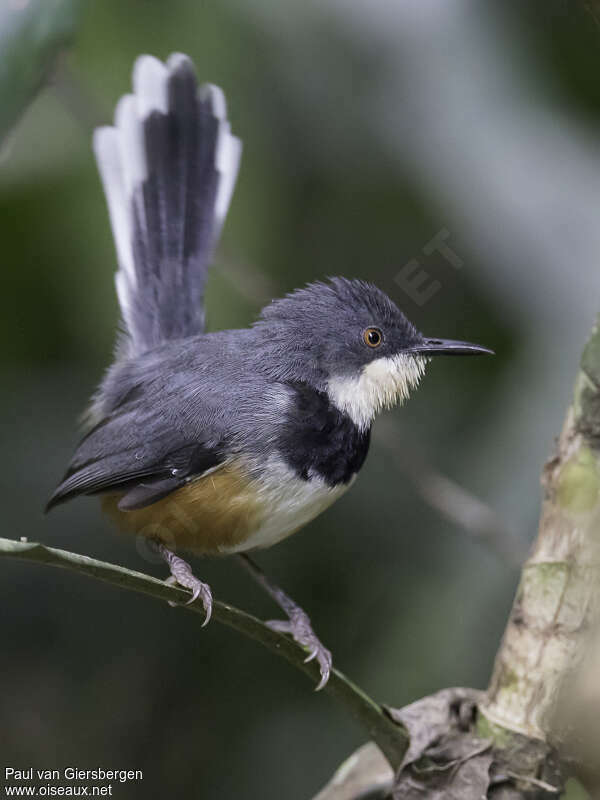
(172, 414)
(168, 168)
(148, 492)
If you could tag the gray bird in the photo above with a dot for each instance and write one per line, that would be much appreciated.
(225, 442)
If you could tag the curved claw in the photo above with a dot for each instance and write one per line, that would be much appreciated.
(208, 609)
(325, 673)
(181, 575)
(302, 633)
(325, 662)
(202, 590)
(194, 596)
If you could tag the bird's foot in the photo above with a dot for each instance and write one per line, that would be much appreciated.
(182, 575)
(300, 628)
(298, 624)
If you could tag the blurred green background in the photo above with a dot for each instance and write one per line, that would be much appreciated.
(368, 129)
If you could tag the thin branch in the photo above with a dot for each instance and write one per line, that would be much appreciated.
(469, 513)
(391, 738)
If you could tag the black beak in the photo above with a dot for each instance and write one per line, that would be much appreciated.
(448, 347)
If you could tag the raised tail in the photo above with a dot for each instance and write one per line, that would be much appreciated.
(168, 167)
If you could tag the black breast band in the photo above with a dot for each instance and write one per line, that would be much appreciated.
(319, 438)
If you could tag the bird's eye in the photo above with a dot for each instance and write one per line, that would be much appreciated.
(373, 337)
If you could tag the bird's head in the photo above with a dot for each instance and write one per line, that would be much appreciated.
(346, 337)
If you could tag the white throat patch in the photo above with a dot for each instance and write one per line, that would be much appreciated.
(382, 384)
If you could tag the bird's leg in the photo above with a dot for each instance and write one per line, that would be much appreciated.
(181, 574)
(298, 623)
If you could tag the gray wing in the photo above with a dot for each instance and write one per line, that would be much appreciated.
(168, 166)
(172, 415)
(140, 453)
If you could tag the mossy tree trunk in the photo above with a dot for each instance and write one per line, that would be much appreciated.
(546, 680)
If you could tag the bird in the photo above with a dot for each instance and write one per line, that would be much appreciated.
(224, 442)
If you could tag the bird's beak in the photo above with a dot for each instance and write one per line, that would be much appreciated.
(449, 347)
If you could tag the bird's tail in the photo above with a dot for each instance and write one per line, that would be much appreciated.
(168, 166)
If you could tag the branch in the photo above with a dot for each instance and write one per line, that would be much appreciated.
(470, 514)
(390, 737)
